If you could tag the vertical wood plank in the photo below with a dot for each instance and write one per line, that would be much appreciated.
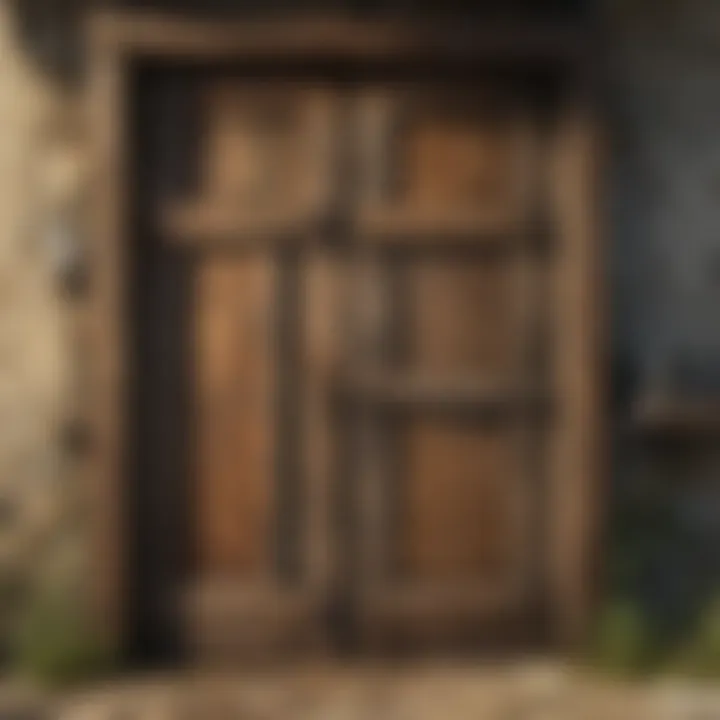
(372, 307)
(108, 394)
(323, 307)
(575, 496)
(235, 359)
(324, 303)
(462, 317)
(321, 150)
(459, 518)
(371, 446)
(528, 471)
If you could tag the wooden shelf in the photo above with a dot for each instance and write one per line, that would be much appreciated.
(678, 417)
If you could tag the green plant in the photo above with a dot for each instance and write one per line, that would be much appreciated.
(623, 641)
(700, 655)
(55, 643)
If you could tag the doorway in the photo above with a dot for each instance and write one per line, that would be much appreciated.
(342, 353)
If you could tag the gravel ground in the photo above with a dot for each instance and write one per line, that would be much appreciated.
(532, 691)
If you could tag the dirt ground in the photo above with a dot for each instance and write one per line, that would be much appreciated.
(520, 691)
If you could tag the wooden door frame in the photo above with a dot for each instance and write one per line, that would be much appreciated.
(118, 42)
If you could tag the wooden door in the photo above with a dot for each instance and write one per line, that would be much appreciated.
(339, 347)
(255, 577)
(448, 379)
(369, 324)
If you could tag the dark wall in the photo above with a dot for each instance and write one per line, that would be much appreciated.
(662, 113)
(508, 7)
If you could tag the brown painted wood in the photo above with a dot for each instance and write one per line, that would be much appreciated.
(668, 417)
(370, 451)
(262, 479)
(325, 293)
(167, 36)
(451, 167)
(417, 227)
(230, 622)
(457, 516)
(529, 300)
(107, 398)
(410, 389)
(199, 225)
(235, 411)
(261, 506)
(298, 293)
(462, 318)
(265, 175)
(576, 498)
(448, 500)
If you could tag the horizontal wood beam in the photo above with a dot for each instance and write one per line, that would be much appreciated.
(227, 623)
(677, 417)
(402, 389)
(156, 35)
(428, 599)
(412, 228)
(199, 225)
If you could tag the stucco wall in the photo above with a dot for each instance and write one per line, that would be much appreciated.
(37, 168)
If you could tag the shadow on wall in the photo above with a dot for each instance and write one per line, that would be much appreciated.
(52, 29)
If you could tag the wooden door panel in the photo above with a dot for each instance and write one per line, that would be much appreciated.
(417, 167)
(455, 156)
(447, 195)
(235, 358)
(461, 317)
(253, 590)
(253, 147)
(435, 354)
(265, 170)
(263, 184)
(458, 514)
(441, 163)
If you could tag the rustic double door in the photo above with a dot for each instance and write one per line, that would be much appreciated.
(345, 361)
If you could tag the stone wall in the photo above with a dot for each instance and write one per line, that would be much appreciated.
(662, 105)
